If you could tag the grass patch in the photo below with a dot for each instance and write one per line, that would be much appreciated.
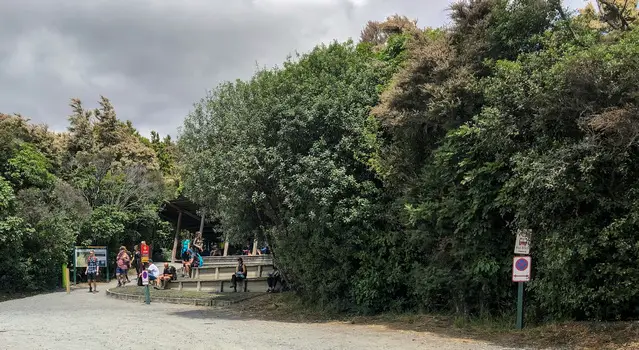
(174, 293)
(287, 307)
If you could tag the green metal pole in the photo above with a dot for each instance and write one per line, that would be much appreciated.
(108, 276)
(147, 295)
(75, 264)
(520, 305)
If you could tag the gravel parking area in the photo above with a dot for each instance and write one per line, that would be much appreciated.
(82, 320)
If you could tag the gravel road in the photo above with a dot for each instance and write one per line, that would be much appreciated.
(82, 320)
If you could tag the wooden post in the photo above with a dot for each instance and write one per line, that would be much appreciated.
(254, 252)
(226, 245)
(68, 281)
(202, 223)
(177, 237)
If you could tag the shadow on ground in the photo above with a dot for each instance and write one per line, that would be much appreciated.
(571, 335)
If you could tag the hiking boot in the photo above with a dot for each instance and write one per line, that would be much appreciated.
(90, 290)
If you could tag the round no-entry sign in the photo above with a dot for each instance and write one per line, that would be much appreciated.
(145, 278)
(521, 269)
(521, 264)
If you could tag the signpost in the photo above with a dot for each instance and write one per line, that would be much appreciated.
(521, 270)
(145, 283)
(144, 251)
(80, 255)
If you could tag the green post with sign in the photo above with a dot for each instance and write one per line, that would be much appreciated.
(521, 271)
(520, 305)
(145, 283)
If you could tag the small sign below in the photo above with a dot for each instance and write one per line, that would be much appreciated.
(145, 278)
(521, 268)
(522, 244)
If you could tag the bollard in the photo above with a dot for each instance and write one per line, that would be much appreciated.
(64, 275)
(147, 295)
(68, 281)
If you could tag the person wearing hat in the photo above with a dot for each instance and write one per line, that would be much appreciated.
(240, 273)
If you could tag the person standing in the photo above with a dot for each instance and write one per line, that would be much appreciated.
(122, 262)
(137, 263)
(198, 242)
(92, 271)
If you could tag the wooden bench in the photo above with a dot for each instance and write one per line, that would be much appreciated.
(225, 271)
(256, 284)
(232, 259)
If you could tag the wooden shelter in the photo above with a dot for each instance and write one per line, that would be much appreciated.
(187, 215)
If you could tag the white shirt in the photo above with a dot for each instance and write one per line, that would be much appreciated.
(153, 270)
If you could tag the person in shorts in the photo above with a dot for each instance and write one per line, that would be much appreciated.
(154, 273)
(240, 273)
(122, 268)
(166, 276)
(187, 261)
(92, 271)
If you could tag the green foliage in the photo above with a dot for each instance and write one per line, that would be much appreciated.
(516, 116)
(97, 184)
(28, 167)
(278, 155)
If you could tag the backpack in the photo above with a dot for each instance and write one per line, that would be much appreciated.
(173, 273)
(200, 259)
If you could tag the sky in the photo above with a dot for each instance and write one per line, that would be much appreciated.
(155, 58)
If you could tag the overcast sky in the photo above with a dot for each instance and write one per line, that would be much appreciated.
(155, 58)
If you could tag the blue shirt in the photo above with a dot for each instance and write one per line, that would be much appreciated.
(92, 265)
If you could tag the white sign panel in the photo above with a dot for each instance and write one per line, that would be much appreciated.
(521, 268)
(522, 244)
(145, 278)
(82, 253)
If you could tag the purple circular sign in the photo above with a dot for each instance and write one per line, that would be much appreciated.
(521, 264)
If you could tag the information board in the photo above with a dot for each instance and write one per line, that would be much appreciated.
(522, 245)
(82, 253)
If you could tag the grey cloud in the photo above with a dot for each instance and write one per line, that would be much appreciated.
(155, 58)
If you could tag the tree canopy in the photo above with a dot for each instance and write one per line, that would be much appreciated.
(100, 183)
(392, 174)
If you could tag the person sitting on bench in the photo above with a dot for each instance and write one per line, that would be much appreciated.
(166, 276)
(187, 260)
(272, 280)
(240, 273)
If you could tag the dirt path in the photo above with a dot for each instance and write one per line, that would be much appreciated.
(94, 321)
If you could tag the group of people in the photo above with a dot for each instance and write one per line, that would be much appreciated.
(191, 254)
(191, 258)
(157, 280)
